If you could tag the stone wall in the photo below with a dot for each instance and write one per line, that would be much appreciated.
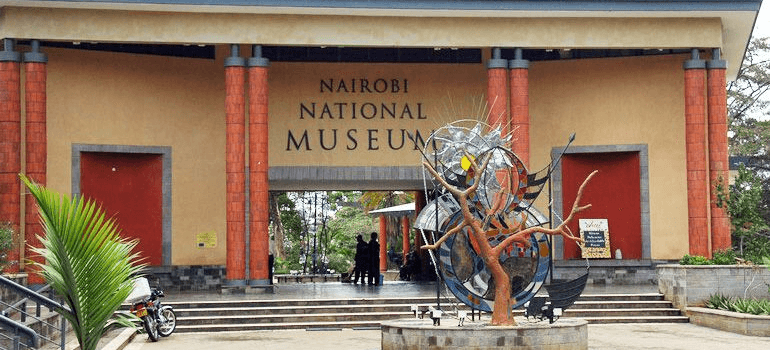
(609, 271)
(417, 334)
(187, 278)
(688, 285)
(729, 321)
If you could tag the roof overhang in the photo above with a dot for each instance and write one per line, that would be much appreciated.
(735, 21)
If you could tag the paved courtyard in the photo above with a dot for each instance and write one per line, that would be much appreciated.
(600, 337)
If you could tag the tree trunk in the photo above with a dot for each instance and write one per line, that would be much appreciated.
(278, 230)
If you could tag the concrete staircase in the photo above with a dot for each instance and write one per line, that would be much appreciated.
(214, 316)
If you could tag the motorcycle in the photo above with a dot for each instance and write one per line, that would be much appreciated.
(158, 320)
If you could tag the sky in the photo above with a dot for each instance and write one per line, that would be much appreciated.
(762, 25)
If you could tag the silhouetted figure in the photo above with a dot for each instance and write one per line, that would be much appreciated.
(362, 260)
(374, 260)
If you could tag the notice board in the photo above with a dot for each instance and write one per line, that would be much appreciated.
(595, 233)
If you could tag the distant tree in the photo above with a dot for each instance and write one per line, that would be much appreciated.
(748, 110)
(342, 229)
(750, 233)
(748, 100)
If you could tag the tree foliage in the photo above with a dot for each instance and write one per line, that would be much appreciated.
(748, 100)
(750, 231)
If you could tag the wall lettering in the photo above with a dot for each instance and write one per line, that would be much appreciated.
(339, 110)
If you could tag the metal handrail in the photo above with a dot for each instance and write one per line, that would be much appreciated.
(21, 304)
(18, 328)
(39, 299)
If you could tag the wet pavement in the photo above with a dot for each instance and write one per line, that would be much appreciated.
(635, 336)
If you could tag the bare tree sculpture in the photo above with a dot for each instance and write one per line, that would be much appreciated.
(515, 230)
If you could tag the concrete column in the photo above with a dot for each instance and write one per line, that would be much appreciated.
(519, 73)
(719, 166)
(10, 146)
(383, 243)
(235, 164)
(405, 237)
(259, 192)
(36, 145)
(497, 96)
(695, 139)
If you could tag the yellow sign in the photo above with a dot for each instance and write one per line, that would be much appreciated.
(206, 239)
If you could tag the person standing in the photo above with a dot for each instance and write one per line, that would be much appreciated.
(374, 260)
(362, 260)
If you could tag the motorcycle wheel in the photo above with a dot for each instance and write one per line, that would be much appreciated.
(166, 328)
(151, 327)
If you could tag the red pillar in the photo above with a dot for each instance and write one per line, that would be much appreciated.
(404, 236)
(259, 242)
(695, 139)
(383, 243)
(36, 146)
(718, 157)
(10, 145)
(497, 97)
(235, 163)
(520, 106)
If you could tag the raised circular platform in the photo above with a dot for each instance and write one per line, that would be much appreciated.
(404, 334)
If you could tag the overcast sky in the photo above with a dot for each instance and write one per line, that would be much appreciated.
(762, 26)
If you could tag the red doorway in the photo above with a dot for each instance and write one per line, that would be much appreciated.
(129, 186)
(614, 194)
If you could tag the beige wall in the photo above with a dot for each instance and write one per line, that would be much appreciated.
(433, 91)
(620, 101)
(125, 99)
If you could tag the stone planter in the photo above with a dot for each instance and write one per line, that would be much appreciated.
(407, 334)
(692, 285)
(729, 321)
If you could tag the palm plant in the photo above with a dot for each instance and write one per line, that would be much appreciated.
(87, 262)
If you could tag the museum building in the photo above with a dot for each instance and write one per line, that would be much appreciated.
(180, 116)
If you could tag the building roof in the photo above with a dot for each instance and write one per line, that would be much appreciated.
(398, 210)
(611, 24)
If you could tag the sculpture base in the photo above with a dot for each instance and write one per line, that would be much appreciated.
(566, 333)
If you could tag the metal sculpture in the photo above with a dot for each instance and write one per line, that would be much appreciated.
(494, 253)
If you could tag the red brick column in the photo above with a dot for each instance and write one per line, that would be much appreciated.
(36, 142)
(259, 191)
(719, 166)
(383, 243)
(405, 237)
(497, 96)
(520, 106)
(235, 165)
(10, 146)
(695, 139)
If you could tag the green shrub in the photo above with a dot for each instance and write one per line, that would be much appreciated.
(694, 260)
(743, 305)
(723, 257)
(6, 243)
(719, 302)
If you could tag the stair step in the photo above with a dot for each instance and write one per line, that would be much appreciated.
(215, 316)
(637, 319)
(270, 326)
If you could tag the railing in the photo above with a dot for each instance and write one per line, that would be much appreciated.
(18, 328)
